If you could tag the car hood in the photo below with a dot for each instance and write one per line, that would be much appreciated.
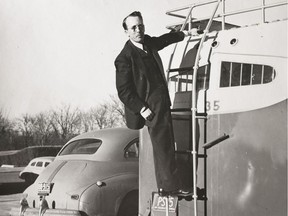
(71, 175)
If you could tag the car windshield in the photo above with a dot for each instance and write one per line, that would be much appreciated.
(84, 146)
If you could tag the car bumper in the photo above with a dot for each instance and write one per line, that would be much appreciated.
(47, 212)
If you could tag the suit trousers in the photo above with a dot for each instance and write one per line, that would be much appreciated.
(162, 138)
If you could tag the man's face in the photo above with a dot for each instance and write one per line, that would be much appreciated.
(135, 29)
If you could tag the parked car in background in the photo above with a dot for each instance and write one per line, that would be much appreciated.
(34, 168)
(95, 173)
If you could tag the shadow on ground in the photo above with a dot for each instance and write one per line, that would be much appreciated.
(12, 188)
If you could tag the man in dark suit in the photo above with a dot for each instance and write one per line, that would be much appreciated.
(141, 86)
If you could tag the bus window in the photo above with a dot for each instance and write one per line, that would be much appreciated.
(257, 74)
(246, 74)
(243, 74)
(225, 74)
(268, 74)
(236, 68)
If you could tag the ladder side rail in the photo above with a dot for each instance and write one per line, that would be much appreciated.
(263, 11)
(205, 86)
(205, 156)
(223, 17)
(170, 63)
(194, 107)
(187, 18)
(172, 55)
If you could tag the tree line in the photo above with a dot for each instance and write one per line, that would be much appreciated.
(57, 126)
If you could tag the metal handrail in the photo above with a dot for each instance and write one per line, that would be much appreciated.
(222, 15)
(188, 7)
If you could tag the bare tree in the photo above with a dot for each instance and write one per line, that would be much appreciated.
(117, 107)
(25, 126)
(100, 116)
(58, 126)
(43, 128)
(106, 115)
(5, 124)
(6, 132)
(66, 122)
(87, 122)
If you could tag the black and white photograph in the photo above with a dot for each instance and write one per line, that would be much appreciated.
(143, 108)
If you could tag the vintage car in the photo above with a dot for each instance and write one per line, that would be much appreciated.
(34, 168)
(95, 173)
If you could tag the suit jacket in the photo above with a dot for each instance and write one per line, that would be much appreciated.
(131, 76)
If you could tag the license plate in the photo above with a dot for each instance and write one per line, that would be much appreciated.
(44, 188)
(160, 203)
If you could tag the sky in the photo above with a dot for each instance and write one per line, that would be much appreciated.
(55, 52)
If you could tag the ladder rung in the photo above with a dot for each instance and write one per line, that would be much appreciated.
(183, 152)
(201, 115)
(190, 152)
(189, 198)
(202, 198)
(202, 156)
(181, 118)
(181, 110)
(180, 69)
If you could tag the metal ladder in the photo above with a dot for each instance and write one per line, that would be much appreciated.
(193, 110)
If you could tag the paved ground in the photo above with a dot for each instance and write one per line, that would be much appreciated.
(10, 195)
(8, 174)
(9, 201)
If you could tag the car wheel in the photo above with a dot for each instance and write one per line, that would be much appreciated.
(129, 206)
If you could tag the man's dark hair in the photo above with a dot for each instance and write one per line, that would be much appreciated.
(133, 14)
